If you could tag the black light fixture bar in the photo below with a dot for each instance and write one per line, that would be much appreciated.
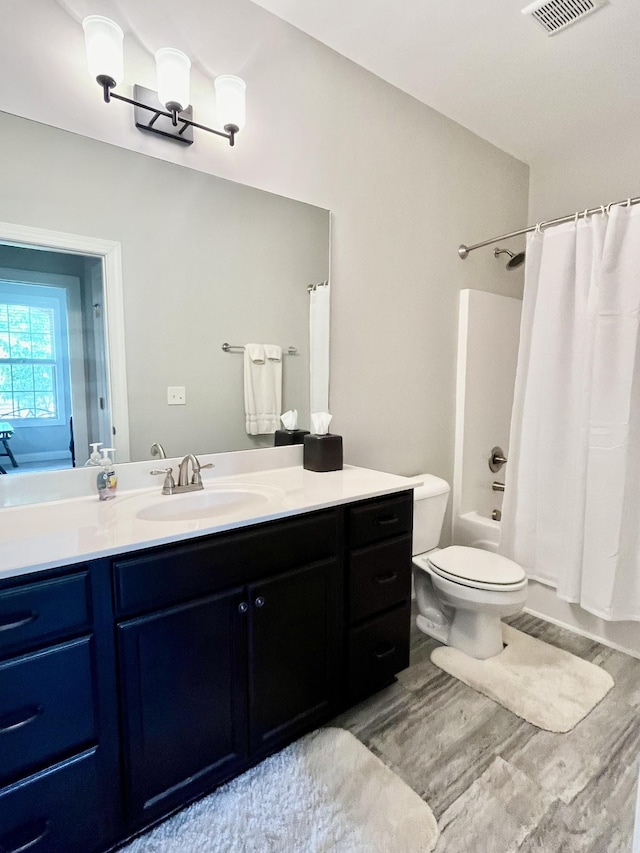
(181, 123)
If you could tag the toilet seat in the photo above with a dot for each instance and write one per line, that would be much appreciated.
(476, 568)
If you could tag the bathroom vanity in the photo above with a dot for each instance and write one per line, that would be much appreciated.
(174, 656)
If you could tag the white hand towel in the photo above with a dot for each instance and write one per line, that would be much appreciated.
(255, 352)
(273, 352)
(262, 391)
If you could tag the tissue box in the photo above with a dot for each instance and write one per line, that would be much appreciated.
(322, 452)
(289, 436)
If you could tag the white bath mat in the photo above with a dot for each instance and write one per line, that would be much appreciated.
(326, 793)
(544, 685)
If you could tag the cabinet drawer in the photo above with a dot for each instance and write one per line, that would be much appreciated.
(379, 577)
(172, 575)
(43, 611)
(57, 810)
(377, 650)
(46, 708)
(380, 519)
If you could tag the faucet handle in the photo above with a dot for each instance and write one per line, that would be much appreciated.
(169, 483)
(196, 479)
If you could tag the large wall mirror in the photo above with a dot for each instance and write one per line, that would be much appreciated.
(204, 262)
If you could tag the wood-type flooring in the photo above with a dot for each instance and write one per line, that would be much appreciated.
(496, 783)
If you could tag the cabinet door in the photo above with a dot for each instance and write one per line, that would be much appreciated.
(294, 652)
(183, 679)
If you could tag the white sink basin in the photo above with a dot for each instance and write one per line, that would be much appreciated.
(212, 502)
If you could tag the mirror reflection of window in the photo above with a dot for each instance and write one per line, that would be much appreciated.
(34, 355)
(51, 359)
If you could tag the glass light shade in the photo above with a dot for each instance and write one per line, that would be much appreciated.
(173, 68)
(230, 100)
(103, 43)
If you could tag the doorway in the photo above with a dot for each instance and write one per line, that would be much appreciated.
(54, 387)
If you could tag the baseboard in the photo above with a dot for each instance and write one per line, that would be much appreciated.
(582, 633)
(43, 456)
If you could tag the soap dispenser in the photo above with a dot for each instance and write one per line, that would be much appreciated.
(107, 481)
(94, 456)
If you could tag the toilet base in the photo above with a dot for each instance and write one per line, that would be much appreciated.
(438, 632)
(477, 634)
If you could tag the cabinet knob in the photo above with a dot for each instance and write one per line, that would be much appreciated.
(243, 607)
(259, 601)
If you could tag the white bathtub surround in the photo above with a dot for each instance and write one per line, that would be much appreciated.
(572, 509)
(545, 685)
(324, 792)
(486, 369)
(477, 531)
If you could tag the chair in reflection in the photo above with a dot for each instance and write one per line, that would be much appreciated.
(6, 431)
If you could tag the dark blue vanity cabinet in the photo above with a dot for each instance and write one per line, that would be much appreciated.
(228, 647)
(184, 704)
(59, 765)
(379, 536)
(133, 685)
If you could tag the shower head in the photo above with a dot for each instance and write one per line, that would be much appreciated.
(514, 260)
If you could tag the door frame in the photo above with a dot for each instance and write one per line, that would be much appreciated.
(110, 252)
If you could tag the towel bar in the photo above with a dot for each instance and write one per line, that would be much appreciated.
(229, 347)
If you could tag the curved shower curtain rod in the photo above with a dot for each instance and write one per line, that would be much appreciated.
(463, 251)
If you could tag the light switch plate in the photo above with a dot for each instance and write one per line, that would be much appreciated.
(176, 395)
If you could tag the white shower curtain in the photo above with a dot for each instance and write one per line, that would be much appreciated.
(571, 515)
(319, 311)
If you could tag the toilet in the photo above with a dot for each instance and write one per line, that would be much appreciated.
(462, 593)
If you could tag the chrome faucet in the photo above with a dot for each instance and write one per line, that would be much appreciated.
(157, 450)
(183, 472)
(184, 483)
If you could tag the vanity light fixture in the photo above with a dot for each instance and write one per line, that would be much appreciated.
(171, 114)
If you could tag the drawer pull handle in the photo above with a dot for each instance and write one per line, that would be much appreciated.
(43, 828)
(18, 621)
(388, 578)
(384, 654)
(387, 520)
(11, 722)
(259, 601)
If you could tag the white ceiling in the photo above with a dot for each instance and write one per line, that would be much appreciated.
(493, 70)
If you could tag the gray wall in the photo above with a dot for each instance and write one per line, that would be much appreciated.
(594, 176)
(204, 261)
(405, 186)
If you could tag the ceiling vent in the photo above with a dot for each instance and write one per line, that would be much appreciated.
(556, 15)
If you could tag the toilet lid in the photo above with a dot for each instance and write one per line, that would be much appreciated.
(476, 566)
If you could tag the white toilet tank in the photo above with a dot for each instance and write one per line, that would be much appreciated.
(429, 506)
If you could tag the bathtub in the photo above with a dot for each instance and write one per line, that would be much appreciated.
(476, 530)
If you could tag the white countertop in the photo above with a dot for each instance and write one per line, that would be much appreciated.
(46, 535)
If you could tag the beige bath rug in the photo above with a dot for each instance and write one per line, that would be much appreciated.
(326, 793)
(544, 685)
